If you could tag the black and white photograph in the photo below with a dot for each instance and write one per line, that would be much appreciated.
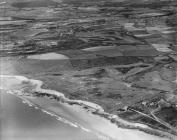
(88, 69)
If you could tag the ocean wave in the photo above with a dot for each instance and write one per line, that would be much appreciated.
(37, 87)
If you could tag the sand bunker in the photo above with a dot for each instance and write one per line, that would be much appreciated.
(162, 47)
(99, 48)
(48, 56)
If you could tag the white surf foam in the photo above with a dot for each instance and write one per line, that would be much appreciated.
(104, 127)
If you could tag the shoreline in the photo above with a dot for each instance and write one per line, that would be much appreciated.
(93, 108)
(84, 60)
(62, 119)
(32, 103)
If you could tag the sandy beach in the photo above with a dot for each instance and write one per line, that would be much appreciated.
(85, 120)
(88, 69)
